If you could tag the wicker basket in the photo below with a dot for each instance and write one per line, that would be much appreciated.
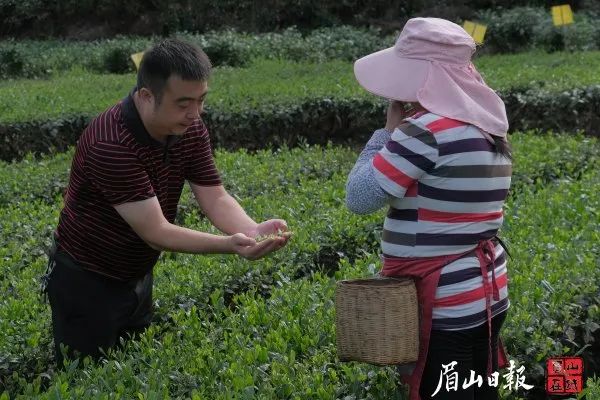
(377, 321)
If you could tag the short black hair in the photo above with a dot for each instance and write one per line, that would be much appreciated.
(172, 57)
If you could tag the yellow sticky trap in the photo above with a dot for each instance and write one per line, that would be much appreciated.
(562, 15)
(477, 31)
(137, 59)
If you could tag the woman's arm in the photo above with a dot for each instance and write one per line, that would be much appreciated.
(363, 193)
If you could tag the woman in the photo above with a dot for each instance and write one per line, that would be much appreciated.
(443, 165)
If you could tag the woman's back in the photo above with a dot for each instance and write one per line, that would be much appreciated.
(448, 186)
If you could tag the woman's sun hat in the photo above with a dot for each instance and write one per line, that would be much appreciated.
(431, 64)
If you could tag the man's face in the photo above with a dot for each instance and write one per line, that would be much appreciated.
(181, 104)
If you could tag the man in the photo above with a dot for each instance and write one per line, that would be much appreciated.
(126, 179)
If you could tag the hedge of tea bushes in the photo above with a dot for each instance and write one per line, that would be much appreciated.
(79, 92)
(276, 103)
(553, 234)
(318, 227)
(539, 158)
(508, 31)
(243, 173)
(273, 177)
(281, 346)
(522, 28)
(317, 121)
(325, 234)
(276, 347)
(45, 58)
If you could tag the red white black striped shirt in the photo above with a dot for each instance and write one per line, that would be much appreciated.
(117, 161)
(448, 187)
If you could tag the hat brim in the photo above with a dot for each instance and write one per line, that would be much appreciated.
(387, 74)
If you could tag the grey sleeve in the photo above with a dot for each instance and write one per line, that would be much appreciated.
(364, 195)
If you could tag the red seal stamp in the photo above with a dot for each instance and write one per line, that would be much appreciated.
(564, 375)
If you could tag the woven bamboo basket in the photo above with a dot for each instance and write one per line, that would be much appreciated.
(377, 320)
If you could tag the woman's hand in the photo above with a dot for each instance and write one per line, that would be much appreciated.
(395, 115)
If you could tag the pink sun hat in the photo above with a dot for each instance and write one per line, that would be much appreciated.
(431, 64)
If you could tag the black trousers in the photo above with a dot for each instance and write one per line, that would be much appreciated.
(91, 312)
(469, 348)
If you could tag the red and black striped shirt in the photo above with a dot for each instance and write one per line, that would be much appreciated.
(117, 161)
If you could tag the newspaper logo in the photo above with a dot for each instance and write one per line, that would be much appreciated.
(564, 375)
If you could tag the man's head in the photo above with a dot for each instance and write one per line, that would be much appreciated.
(172, 84)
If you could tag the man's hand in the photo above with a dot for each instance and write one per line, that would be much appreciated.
(271, 235)
(250, 249)
(395, 115)
(272, 227)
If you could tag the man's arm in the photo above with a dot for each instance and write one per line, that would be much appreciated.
(223, 211)
(147, 220)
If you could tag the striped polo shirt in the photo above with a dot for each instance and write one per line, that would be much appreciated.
(116, 161)
(448, 186)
